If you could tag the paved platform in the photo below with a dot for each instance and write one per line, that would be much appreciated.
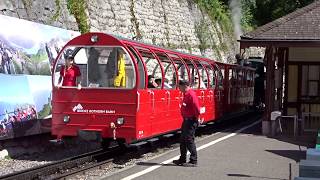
(239, 154)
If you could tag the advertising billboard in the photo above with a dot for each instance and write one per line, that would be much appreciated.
(27, 51)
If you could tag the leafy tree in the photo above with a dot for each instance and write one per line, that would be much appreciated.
(269, 10)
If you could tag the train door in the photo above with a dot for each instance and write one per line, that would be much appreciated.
(156, 94)
(219, 91)
(169, 86)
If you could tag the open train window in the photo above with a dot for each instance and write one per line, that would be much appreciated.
(211, 74)
(169, 81)
(193, 73)
(219, 76)
(201, 80)
(153, 68)
(101, 67)
(181, 69)
(141, 70)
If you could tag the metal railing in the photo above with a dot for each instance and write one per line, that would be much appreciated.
(295, 123)
(310, 122)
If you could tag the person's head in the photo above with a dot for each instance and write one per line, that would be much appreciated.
(120, 53)
(69, 58)
(150, 78)
(238, 57)
(184, 85)
(158, 81)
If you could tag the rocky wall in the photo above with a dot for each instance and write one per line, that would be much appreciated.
(175, 24)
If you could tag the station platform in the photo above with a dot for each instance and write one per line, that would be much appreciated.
(236, 154)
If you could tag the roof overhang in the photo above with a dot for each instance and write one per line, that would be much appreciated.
(246, 43)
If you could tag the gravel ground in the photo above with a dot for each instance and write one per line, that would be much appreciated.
(48, 153)
(34, 151)
(117, 165)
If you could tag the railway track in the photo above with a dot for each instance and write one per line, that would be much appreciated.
(96, 159)
(66, 166)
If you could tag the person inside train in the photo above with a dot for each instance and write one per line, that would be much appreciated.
(196, 83)
(165, 83)
(151, 82)
(158, 81)
(70, 71)
(120, 79)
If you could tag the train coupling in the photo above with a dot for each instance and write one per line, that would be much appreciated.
(113, 127)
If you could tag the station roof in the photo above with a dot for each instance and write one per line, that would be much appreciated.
(299, 27)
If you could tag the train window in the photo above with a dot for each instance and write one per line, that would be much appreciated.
(234, 76)
(153, 68)
(219, 76)
(102, 67)
(141, 70)
(193, 73)
(240, 77)
(182, 70)
(211, 74)
(231, 79)
(202, 80)
(169, 72)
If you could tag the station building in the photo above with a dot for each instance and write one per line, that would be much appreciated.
(292, 61)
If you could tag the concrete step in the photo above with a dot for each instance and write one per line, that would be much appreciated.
(313, 154)
(305, 178)
(309, 168)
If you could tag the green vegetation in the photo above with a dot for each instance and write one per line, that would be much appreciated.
(218, 12)
(254, 12)
(58, 11)
(268, 10)
(36, 64)
(45, 111)
(78, 9)
(135, 21)
(7, 157)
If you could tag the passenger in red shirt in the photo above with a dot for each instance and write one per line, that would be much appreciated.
(69, 72)
(190, 111)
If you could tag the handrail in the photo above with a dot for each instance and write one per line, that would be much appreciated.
(138, 101)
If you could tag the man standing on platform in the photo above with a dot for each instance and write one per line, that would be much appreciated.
(190, 111)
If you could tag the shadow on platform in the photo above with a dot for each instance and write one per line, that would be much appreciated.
(253, 177)
(295, 155)
(154, 164)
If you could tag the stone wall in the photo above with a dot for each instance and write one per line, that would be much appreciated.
(175, 24)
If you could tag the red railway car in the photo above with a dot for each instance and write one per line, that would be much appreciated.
(116, 101)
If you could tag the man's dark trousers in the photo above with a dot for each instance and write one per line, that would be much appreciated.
(188, 130)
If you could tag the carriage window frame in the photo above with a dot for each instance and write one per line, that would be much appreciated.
(219, 76)
(165, 59)
(85, 80)
(212, 83)
(202, 72)
(143, 51)
(140, 65)
(179, 63)
(191, 74)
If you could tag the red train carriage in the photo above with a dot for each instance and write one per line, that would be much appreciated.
(115, 99)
